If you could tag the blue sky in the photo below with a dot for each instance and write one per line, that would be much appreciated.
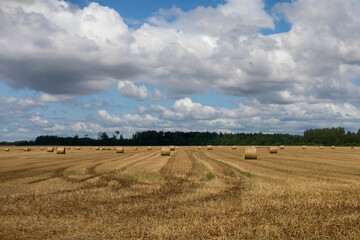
(231, 66)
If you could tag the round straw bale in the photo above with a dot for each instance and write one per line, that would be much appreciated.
(136, 148)
(303, 147)
(199, 148)
(120, 150)
(321, 147)
(282, 147)
(6, 149)
(220, 147)
(50, 149)
(233, 147)
(250, 153)
(332, 147)
(149, 148)
(60, 150)
(165, 151)
(27, 149)
(272, 149)
(172, 148)
(209, 147)
(97, 148)
(42, 149)
(77, 148)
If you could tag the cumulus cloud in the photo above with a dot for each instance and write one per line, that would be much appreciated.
(40, 122)
(12, 108)
(48, 98)
(129, 90)
(156, 95)
(306, 77)
(63, 49)
(254, 116)
(95, 103)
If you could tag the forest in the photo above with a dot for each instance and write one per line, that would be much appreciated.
(324, 136)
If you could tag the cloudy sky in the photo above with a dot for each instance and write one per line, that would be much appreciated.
(83, 67)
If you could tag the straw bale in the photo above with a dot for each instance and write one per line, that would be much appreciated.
(120, 150)
(250, 153)
(60, 150)
(165, 151)
(272, 149)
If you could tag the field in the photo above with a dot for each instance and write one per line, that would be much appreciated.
(193, 194)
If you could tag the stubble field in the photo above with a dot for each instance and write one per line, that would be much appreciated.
(193, 194)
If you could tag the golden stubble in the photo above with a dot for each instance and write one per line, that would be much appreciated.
(193, 194)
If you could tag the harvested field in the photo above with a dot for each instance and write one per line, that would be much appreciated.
(192, 194)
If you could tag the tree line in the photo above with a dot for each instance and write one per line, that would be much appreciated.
(324, 136)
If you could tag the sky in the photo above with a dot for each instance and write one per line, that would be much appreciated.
(82, 67)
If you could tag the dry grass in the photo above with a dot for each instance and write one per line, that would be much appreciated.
(193, 194)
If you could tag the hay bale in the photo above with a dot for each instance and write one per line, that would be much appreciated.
(303, 147)
(6, 149)
(97, 148)
(68, 148)
(120, 150)
(250, 153)
(209, 147)
(272, 149)
(136, 148)
(233, 147)
(220, 147)
(282, 147)
(90, 147)
(172, 148)
(321, 147)
(177, 148)
(199, 148)
(149, 148)
(77, 148)
(60, 150)
(27, 149)
(50, 149)
(332, 147)
(42, 149)
(165, 151)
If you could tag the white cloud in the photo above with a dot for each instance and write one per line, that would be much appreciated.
(129, 90)
(307, 77)
(40, 122)
(51, 98)
(56, 129)
(156, 95)
(81, 51)
(95, 103)
(23, 130)
(109, 118)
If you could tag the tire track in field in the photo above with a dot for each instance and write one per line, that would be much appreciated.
(61, 172)
(263, 168)
(172, 187)
(294, 160)
(182, 190)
